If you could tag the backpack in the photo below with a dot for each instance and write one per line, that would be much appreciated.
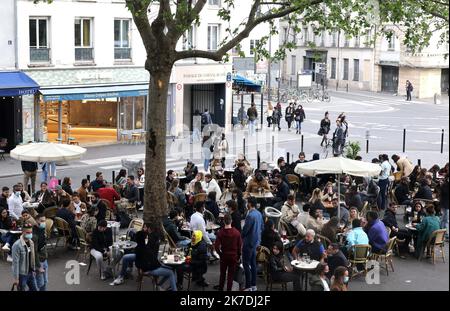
(204, 119)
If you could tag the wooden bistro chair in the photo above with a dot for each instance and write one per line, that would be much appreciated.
(387, 255)
(82, 238)
(359, 254)
(200, 197)
(63, 231)
(436, 239)
(294, 183)
(140, 279)
(50, 212)
(324, 240)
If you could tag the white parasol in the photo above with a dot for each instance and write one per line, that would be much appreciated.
(47, 152)
(338, 166)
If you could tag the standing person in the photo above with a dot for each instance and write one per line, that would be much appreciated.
(24, 262)
(404, 165)
(409, 88)
(289, 115)
(228, 245)
(196, 126)
(206, 119)
(40, 251)
(252, 115)
(15, 202)
(206, 152)
(338, 139)
(251, 236)
(276, 117)
(325, 125)
(29, 173)
(223, 149)
(269, 113)
(383, 181)
(344, 123)
(44, 172)
(300, 116)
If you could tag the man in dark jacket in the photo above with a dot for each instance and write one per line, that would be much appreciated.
(401, 192)
(239, 177)
(338, 139)
(172, 230)
(101, 241)
(424, 191)
(40, 251)
(29, 172)
(4, 198)
(390, 221)
(335, 258)
(67, 215)
(252, 114)
(131, 191)
(44, 197)
(282, 192)
(98, 183)
(353, 198)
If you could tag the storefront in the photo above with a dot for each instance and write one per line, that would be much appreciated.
(14, 85)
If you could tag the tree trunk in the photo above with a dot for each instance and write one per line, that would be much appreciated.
(155, 207)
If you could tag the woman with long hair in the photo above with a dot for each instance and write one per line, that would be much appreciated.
(325, 125)
(269, 113)
(340, 279)
(300, 116)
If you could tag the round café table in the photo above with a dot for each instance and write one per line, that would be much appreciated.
(304, 268)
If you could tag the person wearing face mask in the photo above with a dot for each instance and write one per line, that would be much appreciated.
(340, 280)
(24, 262)
(319, 281)
(15, 204)
(40, 250)
(258, 182)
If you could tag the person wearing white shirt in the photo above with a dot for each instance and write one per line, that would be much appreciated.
(198, 223)
(211, 184)
(383, 181)
(15, 202)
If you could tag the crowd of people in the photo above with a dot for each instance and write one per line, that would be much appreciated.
(219, 216)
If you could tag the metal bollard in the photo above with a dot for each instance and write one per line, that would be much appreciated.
(404, 140)
(302, 143)
(258, 159)
(273, 147)
(113, 175)
(419, 162)
(367, 146)
(442, 141)
(88, 177)
(288, 157)
(243, 144)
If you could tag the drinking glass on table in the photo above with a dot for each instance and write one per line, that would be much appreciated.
(303, 258)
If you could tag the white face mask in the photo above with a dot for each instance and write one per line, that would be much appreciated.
(17, 194)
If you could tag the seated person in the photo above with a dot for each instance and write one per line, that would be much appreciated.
(353, 198)
(353, 214)
(101, 241)
(329, 192)
(99, 182)
(7, 239)
(171, 175)
(89, 221)
(290, 213)
(109, 194)
(315, 221)
(278, 270)
(65, 213)
(356, 236)
(343, 211)
(258, 182)
(281, 193)
(335, 258)
(340, 280)
(371, 192)
(316, 201)
(26, 218)
(60, 195)
(319, 281)
(269, 235)
(238, 197)
(4, 198)
(178, 193)
(417, 212)
(171, 228)
(190, 171)
(304, 216)
(131, 192)
(211, 204)
(390, 221)
(210, 185)
(376, 231)
(147, 256)
(424, 229)
(331, 229)
(424, 191)
(199, 257)
(100, 205)
(309, 246)
(198, 178)
(217, 171)
(241, 159)
(78, 206)
(401, 192)
(239, 177)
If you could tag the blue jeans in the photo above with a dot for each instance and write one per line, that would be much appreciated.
(299, 125)
(184, 243)
(382, 200)
(444, 220)
(167, 274)
(127, 261)
(251, 126)
(7, 238)
(29, 281)
(249, 263)
(206, 164)
(42, 277)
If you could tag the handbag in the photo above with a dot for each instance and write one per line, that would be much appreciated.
(239, 275)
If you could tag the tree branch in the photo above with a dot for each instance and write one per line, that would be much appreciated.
(138, 9)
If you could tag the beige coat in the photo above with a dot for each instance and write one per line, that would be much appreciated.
(405, 166)
(289, 213)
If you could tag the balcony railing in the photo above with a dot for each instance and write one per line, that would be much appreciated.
(39, 55)
(84, 54)
(122, 53)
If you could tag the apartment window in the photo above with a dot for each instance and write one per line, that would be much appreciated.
(322, 38)
(334, 42)
(122, 46)
(346, 42)
(293, 65)
(253, 45)
(345, 77)
(83, 39)
(39, 47)
(214, 2)
(368, 38)
(305, 36)
(357, 41)
(356, 70)
(333, 68)
(213, 37)
(391, 43)
(188, 39)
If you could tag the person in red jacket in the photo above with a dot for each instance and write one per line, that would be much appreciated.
(228, 245)
(109, 194)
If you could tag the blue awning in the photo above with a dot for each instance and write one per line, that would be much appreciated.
(81, 93)
(16, 83)
(250, 85)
